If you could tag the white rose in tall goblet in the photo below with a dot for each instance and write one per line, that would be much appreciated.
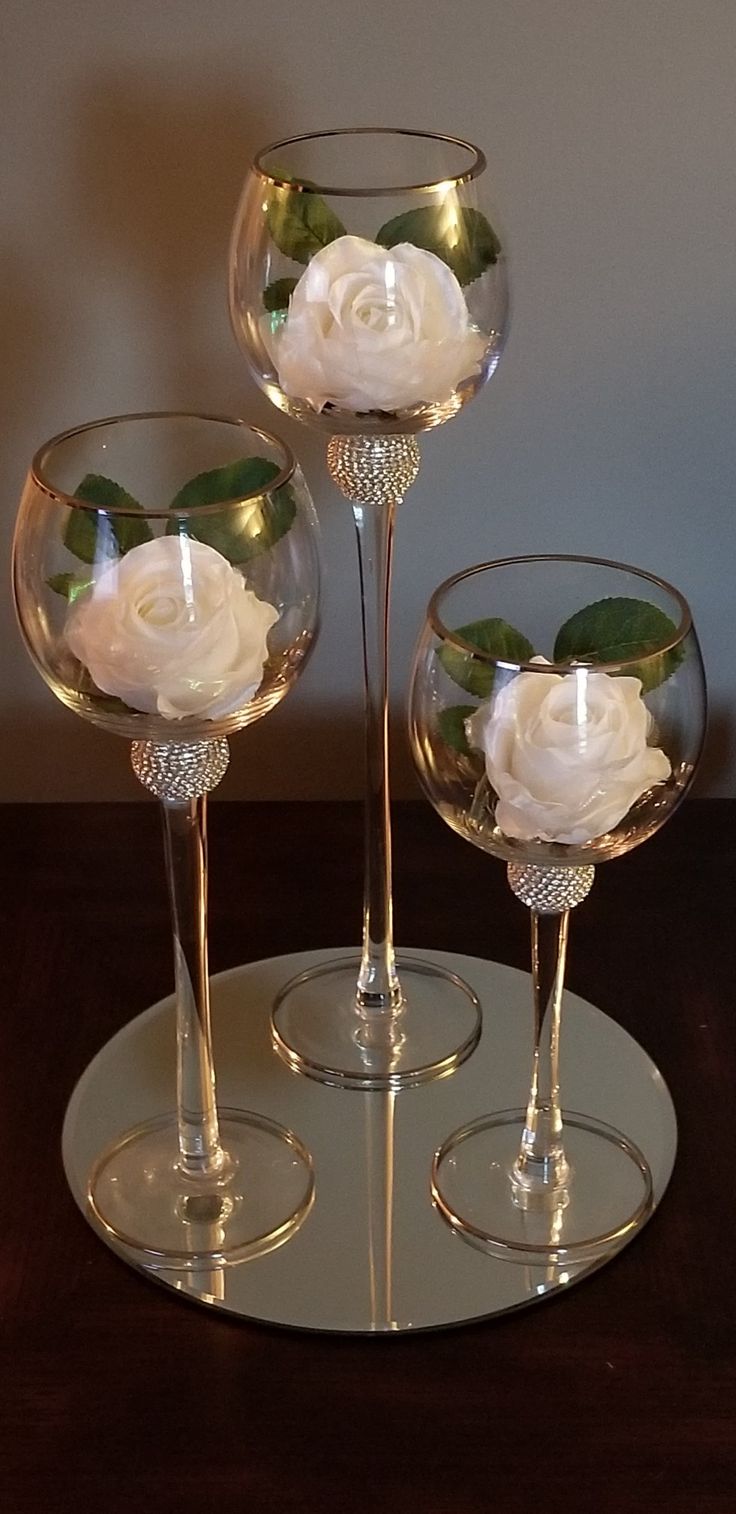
(374, 329)
(566, 754)
(369, 292)
(171, 629)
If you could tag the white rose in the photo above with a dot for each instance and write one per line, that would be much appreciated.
(172, 630)
(566, 754)
(371, 329)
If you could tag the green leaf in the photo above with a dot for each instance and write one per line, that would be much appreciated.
(451, 722)
(236, 480)
(82, 528)
(277, 295)
(617, 630)
(495, 637)
(463, 238)
(239, 534)
(69, 585)
(130, 533)
(301, 223)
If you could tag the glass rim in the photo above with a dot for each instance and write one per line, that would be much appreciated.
(450, 181)
(61, 497)
(444, 633)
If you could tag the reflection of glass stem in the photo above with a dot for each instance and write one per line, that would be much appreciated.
(206, 1283)
(541, 1173)
(181, 775)
(379, 1114)
(555, 1272)
(374, 474)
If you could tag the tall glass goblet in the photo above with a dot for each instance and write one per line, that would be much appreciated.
(368, 289)
(166, 580)
(557, 715)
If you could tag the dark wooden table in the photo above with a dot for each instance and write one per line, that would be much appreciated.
(617, 1396)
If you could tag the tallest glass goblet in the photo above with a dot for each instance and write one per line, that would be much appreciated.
(368, 289)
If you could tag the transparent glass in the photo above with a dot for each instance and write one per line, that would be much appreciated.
(64, 544)
(557, 715)
(166, 579)
(369, 292)
(368, 280)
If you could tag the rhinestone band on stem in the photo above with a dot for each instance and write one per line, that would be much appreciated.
(179, 770)
(549, 890)
(373, 470)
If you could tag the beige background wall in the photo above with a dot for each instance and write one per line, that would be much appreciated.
(610, 127)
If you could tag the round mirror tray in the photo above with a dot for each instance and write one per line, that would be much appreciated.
(373, 1255)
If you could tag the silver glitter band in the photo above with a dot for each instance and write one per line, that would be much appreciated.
(550, 890)
(373, 470)
(180, 770)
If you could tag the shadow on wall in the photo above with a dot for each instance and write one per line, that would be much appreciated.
(160, 165)
(25, 385)
(129, 314)
(26, 376)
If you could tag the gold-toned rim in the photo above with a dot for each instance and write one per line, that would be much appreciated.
(444, 633)
(310, 186)
(59, 496)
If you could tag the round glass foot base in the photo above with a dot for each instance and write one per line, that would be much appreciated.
(608, 1198)
(318, 1031)
(150, 1208)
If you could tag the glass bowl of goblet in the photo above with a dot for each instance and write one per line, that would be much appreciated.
(166, 577)
(557, 716)
(369, 293)
(368, 284)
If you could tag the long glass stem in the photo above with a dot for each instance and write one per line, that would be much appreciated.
(374, 472)
(378, 989)
(541, 1159)
(185, 836)
(181, 775)
(550, 893)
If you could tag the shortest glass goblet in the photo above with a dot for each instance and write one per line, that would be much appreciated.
(166, 577)
(557, 715)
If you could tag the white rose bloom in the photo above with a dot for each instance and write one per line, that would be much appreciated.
(375, 329)
(172, 630)
(566, 754)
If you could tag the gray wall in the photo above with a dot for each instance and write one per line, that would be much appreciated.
(610, 127)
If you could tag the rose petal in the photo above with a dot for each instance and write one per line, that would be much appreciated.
(171, 628)
(566, 755)
(375, 328)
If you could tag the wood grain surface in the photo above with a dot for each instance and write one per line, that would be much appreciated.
(618, 1397)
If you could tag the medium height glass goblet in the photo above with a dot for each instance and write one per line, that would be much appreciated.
(368, 289)
(166, 576)
(557, 715)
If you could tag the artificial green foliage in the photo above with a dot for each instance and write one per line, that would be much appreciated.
(239, 534)
(497, 639)
(619, 630)
(301, 223)
(277, 295)
(83, 526)
(451, 722)
(463, 239)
